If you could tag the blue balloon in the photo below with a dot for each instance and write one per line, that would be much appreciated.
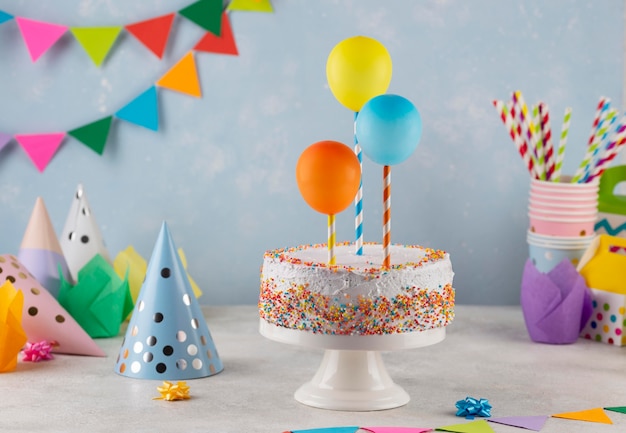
(388, 129)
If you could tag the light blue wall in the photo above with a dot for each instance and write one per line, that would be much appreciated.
(221, 169)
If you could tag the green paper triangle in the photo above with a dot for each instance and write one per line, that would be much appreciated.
(93, 135)
(620, 409)
(96, 41)
(250, 6)
(205, 13)
(480, 426)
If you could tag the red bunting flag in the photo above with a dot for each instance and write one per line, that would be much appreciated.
(222, 44)
(153, 33)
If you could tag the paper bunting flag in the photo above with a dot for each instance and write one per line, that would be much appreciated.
(96, 41)
(480, 426)
(182, 77)
(44, 318)
(396, 429)
(81, 238)
(40, 148)
(205, 13)
(142, 111)
(250, 5)
(93, 135)
(100, 301)
(222, 44)
(39, 36)
(153, 33)
(12, 336)
(620, 409)
(591, 415)
(167, 337)
(40, 251)
(535, 423)
(129, 262)
(4, 17)
(349, 429)
(4, 139)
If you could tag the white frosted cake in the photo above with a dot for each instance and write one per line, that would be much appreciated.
(357, 296)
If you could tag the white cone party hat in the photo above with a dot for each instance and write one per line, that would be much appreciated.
(81, 238)
(167, 337)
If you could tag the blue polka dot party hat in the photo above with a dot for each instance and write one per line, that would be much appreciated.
(167, 337)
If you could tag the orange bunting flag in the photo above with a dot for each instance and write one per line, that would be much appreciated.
(222, 44)
(153, 33)
(591, 415)
(183, 77)
(40, 148)
(250, 6)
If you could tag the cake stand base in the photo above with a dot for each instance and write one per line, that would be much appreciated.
(352, 380)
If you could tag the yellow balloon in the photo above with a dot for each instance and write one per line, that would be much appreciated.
(357, 69)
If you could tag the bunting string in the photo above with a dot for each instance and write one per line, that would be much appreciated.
(154, 33)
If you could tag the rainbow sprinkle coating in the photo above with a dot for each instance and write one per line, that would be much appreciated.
(291, 303)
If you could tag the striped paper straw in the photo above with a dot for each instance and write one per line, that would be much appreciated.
(546, 134)
(613, 149)
(602, 106)
(332, 239)
(358, 199)
(601, 127)
(604, 127)
(539, 150)
(558, 165)
(527, 129)
(386, 216)
(520, 144)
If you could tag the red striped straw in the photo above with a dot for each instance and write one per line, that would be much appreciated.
(520, 144)
(386, 216)
(596, 119)
(527, 128)
(548, 145)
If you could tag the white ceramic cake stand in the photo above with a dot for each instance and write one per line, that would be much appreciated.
(352, 375)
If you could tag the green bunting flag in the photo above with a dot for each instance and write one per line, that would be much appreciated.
(205, 13)
(93, 135)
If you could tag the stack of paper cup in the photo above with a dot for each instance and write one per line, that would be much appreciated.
(562, 218)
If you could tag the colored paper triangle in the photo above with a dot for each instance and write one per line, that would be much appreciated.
(620, 409)
(142, 111)
(223, 44)
(39, 36)
(182, 77)
(4, 17)
(44, 318)
(96, 41)
(250, 5)
(535, 423)
(93, 135)
(479, 426)
(592, 415)
(205, 13)
(40, 233)
(4, 139)
(348, 429)
(396, 429)
(40, 148)
(12, 335)
(153, 33)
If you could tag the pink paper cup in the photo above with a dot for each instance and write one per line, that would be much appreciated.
(571, 227)
(564, 213)
(547, 204)
(564, 186)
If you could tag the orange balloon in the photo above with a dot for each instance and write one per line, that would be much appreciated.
(328, 175)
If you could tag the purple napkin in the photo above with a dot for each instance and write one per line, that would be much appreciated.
(556, 305)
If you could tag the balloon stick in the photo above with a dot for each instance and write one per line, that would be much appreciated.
(358, 200)
(386, 215)
(332, 239)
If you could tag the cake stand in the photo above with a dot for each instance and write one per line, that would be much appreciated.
(352, 375)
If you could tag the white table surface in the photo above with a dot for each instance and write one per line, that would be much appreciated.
(486, 353)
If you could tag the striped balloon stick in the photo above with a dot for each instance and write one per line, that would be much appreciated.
(558, 165)
(386, 216)
(358, 199)
(332, 240)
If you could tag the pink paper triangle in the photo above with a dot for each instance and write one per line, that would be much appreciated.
(535, 423)
(39, 36)
(40, 147)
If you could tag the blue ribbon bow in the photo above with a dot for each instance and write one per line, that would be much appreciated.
(471, 407)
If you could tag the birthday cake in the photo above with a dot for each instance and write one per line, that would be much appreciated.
(357, 295)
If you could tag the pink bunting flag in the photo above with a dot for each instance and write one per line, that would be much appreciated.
(40, 147)
(39, 36)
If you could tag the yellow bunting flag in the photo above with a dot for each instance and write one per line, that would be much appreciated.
(183, 77)
(250, 6)
(96, 41)
(12, 335)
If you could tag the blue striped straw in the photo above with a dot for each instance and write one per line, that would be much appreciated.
(358, 200)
